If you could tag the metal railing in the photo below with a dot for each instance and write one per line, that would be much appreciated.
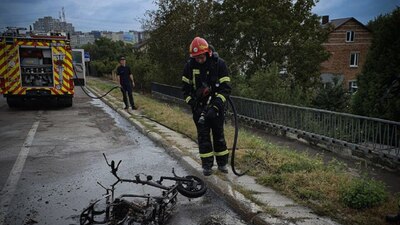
(369, 135)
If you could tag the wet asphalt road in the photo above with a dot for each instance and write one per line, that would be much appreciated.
(63, 162)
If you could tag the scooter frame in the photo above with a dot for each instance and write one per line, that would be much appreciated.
(142, 209)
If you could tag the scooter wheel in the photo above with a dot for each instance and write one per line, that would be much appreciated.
(193, 188)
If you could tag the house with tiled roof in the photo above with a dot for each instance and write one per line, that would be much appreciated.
(348, 44)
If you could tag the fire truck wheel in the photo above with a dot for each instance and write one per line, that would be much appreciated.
(13, 102)
(68, 102)
(65, 102)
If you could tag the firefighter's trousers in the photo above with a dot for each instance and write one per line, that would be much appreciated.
(215, 148)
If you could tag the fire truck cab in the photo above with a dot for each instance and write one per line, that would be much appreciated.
(35, 67)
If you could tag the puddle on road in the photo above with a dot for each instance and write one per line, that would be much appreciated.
(119, 120)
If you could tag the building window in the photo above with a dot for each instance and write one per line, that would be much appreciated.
(353, 86)
(354, 57)
(349, 36)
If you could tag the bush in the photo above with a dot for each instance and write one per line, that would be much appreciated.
(270, 85)
(363, 193)
(332, 97)
(103, 67)
(145, 71)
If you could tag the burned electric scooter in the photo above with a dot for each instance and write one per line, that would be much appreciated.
(132, 209)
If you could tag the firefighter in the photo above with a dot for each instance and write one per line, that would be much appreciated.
(206, 88)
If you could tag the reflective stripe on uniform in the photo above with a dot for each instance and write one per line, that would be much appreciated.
(226, 152)
(224, 79)
(221, 97)
(195, 72)
(188, 99)
(186, 80)
(206, 155)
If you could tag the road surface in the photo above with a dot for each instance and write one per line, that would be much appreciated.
(51, 159)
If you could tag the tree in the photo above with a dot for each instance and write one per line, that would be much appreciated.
(265, 85)
(249, 35)
(145, 71)
(332, 97)
(254, 34)
(105, 54)
(378, 93)
(172, 27)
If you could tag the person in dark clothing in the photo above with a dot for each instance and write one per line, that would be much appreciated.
(127, 83)
(205, 88)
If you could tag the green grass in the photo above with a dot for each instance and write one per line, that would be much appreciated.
(327, 188)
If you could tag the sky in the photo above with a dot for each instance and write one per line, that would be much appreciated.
(362, 10)
(125, 15)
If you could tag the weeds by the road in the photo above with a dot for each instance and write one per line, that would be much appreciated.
(327, 188)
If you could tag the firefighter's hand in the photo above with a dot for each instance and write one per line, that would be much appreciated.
(212, 113)
(133, 84)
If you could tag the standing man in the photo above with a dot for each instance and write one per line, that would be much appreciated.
(206, 88)
(126, 81)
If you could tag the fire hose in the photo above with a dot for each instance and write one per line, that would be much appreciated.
(86, 92)
(235, 119)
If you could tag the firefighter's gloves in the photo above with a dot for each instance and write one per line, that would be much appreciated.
(208, 115)
(212, 113)
(202, 92)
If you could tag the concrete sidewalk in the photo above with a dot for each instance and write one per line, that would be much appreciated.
(259, 204)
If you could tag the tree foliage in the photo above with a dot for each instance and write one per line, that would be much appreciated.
(260, 33)
(249, 35)
(265, 84)
(270, 85)
(172, 27)
(145, 71)
(378, 92)
(254, 34)
(332, 97)
(105, 53)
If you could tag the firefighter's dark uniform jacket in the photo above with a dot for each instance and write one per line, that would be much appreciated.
(212, 74)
